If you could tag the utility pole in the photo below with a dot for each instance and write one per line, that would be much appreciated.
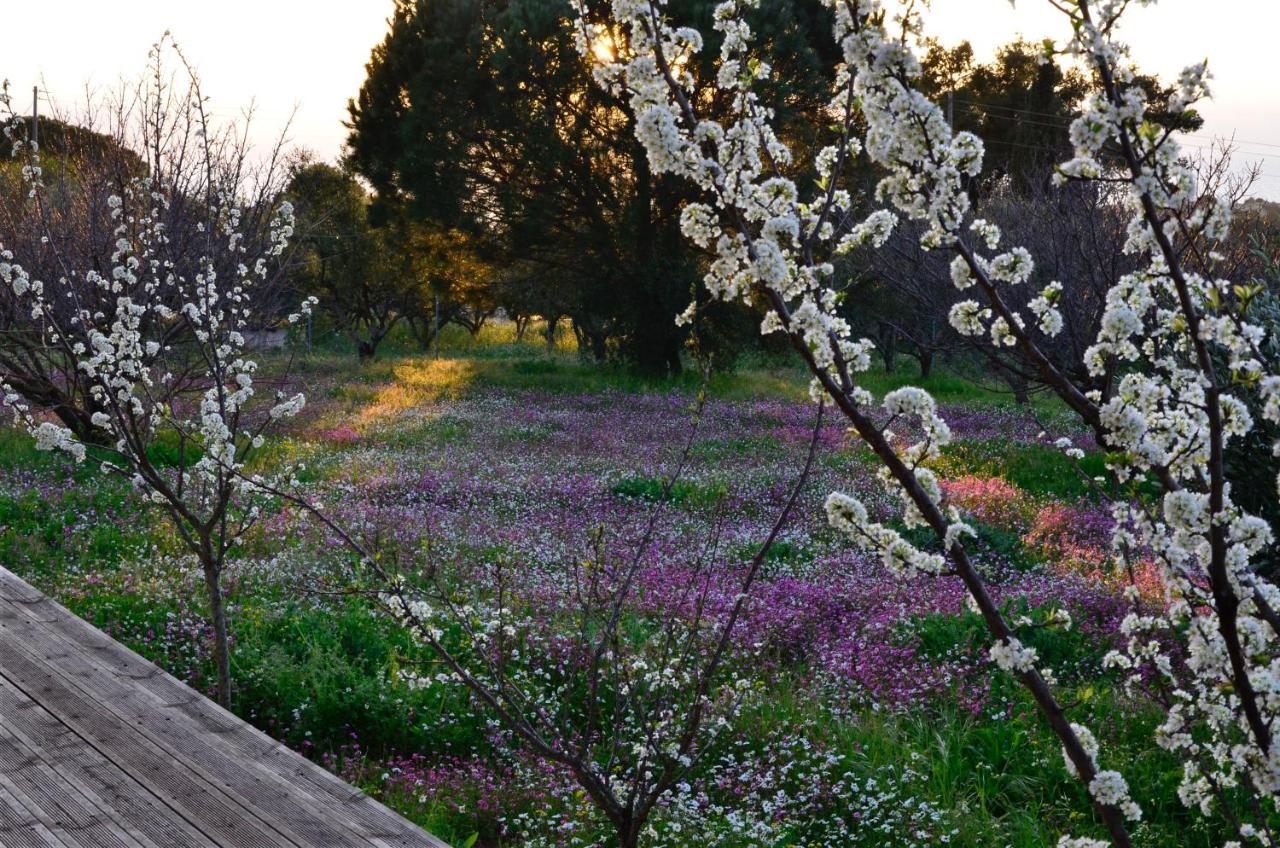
(35, 117)
(951, 110)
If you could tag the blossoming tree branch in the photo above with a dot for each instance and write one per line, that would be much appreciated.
(158, 336)
(1177, 338)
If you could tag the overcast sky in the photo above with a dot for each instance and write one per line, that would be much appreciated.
(310, 54)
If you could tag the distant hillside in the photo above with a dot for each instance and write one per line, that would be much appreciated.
(62, 140)
(1267, 210)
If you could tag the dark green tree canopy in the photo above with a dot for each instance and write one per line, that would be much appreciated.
(482, 116)
(1021, 105)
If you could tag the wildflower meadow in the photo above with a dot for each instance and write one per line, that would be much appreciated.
(675, 423)
(870, 712)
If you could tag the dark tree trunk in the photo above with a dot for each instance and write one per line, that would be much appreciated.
(888, 345)
(552, 324)
(421, 333)
(368, 348)
(594, 340)
(218, 617)
(674, 366)
(1021, 391)
(926, 363)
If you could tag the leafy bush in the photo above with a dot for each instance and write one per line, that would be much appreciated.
(321, 679)
(535, 366)
(655, 490)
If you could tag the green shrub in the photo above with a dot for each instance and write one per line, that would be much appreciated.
(324, 678)
(167, 451)
(655, 490)
(535, 366)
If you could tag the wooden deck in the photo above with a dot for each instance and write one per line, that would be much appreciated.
(99, 748)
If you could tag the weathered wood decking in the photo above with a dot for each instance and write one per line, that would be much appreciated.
(98, 748)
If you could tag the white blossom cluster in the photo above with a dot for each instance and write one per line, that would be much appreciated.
(509, 654)
(161, 346)
(1188, 358)
(1193, 364)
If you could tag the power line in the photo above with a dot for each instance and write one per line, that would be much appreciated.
(1065, 122)
(1191, 145)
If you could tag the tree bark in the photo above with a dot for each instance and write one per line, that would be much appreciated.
(218, 616)
(888, 345)
(674, 366)
(926, 364)
(1021, 393)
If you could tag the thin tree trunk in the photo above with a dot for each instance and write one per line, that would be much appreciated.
(674, 366)
(1021, 392)
(218, 615)
(926, 364)
(888, 345)
(628, 832)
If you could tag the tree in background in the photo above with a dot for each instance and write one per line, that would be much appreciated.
(370, 278)
(85, 160)
(77, 163)
(152, 312)
(338, 255)
(1018, 103)
(1021, 104)
(460, 286)
(483, 117)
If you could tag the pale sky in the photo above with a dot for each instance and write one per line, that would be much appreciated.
(311, 54)
(1239, 37)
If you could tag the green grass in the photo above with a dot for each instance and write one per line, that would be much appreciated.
(168, 451)
(1001, 771)
(312, 671)
(657, 490)
(321, 677)
(1038, 469)
(52, 533)
(18, 450)
(1067, 651)
(494, 359)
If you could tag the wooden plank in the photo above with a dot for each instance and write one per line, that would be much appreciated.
(76, 816)
(19, 826)
(297, 798)
(144, 818)
(37, 662)
(283, 806)
(242, 738)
